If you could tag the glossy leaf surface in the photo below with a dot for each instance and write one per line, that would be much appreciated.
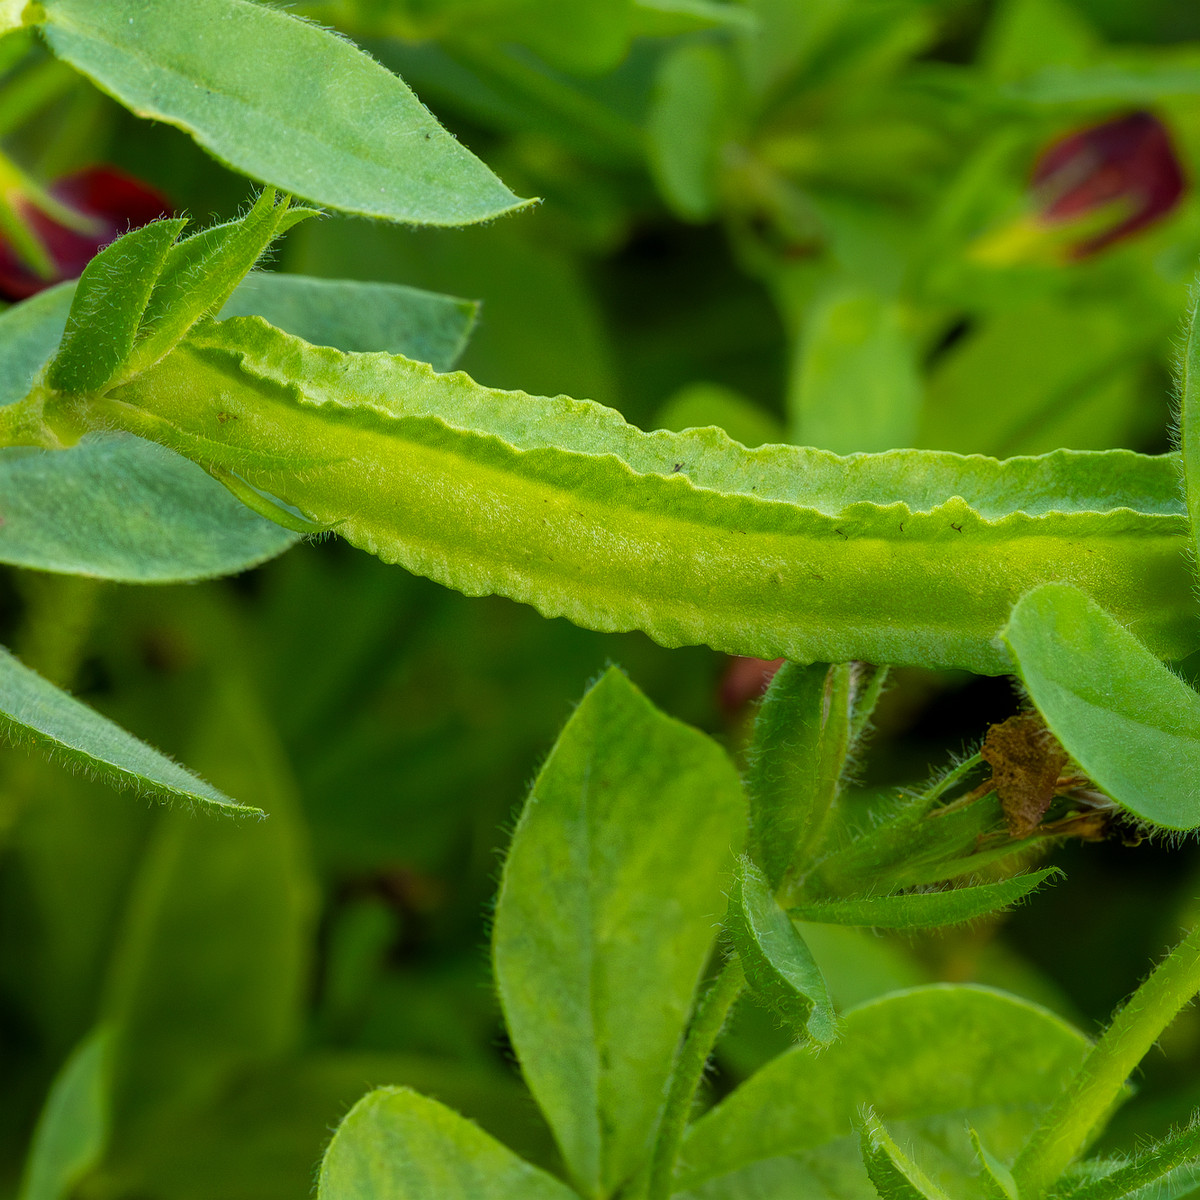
(36, 712)
(779, 967)
(927, 1060)
(401, 1145)
(237, 77)
(1130, 723)
(779, 552)
(925, 910)
(616, 878)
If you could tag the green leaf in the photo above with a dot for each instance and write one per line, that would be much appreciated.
(906, 557)
(72, 1131)
(281, 100)
(669, 18)
(615, 882)
(923, 1059)
(687, 126)
(212, 969)
(795, 763)
(110, 298)
(353, 315)
(199, 274)
(995, 1178)
(1131, 725)
(857, 387)
(894, 1174)
(1166, 1170)
(38, 713)
(924, 910)
(397, 1144)
(779, 967)
(1189, 423)
(697, 405)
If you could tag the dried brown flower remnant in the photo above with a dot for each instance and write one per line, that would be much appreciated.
(1027, 762)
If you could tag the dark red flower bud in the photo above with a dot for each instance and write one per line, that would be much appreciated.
(108, 203)
(1127, 165)
(746, 679)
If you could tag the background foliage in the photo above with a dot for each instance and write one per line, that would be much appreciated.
(751, 215)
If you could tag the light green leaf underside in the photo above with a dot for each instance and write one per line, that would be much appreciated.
(397, 1144)
(36, 712)
(615, 882)
(927, 1060)
(73, 1128)
(280, 100)
(780, 969)
(776, 552)
(118, 507)
(922, 910)
(1130, 723)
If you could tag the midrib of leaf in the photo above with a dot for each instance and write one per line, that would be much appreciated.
(561, 504)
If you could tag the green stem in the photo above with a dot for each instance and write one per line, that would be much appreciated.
(1070, 1123)
(710, 1019)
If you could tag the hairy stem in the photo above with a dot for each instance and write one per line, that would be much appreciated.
(710, 1019)
(1069, 1124)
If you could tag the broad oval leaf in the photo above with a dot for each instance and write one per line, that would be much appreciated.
(35, 711)
(775, 552)
(400, 1145)
(1130, 723)
(780, 969)
(927, 1060)
(281, 100)
(924, 910)
(615, 882)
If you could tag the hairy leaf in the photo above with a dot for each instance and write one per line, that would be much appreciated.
(397, 1144)
(1166, 1170)
(72, 1131)
(924, 1059)
(894, 1174)
(615, 883)
(1132, 725)
(796, 759)
(106, 311)
(924, 910)
(779, 966)
(37, 712)
(1189, 424)
(906, 557)
(281, 100)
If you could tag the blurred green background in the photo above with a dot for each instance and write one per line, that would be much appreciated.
(810, 222)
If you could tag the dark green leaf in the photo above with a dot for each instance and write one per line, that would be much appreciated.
(924, 910)
(894, 1174)
(1132, 725)
(1189, 423)
(796, 759)
(38, 713)
(779, 967)
(72, 1131)
(281, 100)
(107, 308)
(397, 1144)
(615, 883)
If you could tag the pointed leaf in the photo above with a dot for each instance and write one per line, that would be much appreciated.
(1166, 1170)
(1128, 721)
(110, 297)
(37, 712)
(796, 759)
(615, 881)
(994, 1177)
(894, 1174)
(281, 100)
(200, 273)
(924, 910)
(779, 967)
(402, 1146)
(72, 1131)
